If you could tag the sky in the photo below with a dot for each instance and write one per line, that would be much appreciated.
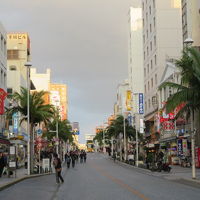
(83, 42)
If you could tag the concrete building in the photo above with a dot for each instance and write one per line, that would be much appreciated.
(59, 97)
(162, 39)
(135, 67)
(191, 20)
(41, 82)
(121, 97)
(18, 53)
(3, 76)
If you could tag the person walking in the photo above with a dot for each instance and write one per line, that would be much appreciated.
(58, 169)
(84, 156)
(2, 163)
(114, 155)
(68, 160)
(73, 157)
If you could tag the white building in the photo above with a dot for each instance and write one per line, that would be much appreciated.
(3, 73)
(135, 67)
(191, 20)
(121, 97)
(162, 39)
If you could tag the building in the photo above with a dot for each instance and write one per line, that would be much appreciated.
(121, 105)
(191, 20)
(59, 98)
(3, 87)
(161, 41)
(18, 53)
(41, 82)
(135, 67)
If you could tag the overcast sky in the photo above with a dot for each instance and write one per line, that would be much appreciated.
(84, 42)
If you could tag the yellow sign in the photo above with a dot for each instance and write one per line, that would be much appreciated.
(17, 36)
(128, 100)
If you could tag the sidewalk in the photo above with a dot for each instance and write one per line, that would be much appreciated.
(21, 175)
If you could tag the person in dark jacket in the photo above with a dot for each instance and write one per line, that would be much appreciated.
(73, 157)
(68, 160)
(58, 168)
(2, 163)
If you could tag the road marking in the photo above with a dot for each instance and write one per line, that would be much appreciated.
(119, 182)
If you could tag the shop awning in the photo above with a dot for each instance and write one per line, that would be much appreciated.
(4, 141)
(168, 139)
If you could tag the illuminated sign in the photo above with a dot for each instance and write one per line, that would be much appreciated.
(141, 103)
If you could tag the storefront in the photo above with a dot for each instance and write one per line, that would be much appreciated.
(4, 145)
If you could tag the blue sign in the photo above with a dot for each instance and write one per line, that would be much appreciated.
(39, 131)
(180, 147)
(129, 118)
(76, 132)
(141, 103)
(15, 118)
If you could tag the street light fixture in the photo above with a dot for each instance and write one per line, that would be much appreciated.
(28, 65)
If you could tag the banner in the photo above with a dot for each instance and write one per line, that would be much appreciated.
(15, 118)
(3, 95)
(141, 103)
(180, 147)
(128, 100)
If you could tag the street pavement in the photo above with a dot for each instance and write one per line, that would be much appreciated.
(102, 179)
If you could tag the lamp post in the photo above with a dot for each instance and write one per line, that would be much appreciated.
(28, 65)
(188, 43)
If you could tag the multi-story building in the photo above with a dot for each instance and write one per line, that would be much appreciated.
(135, 67)
(59, 98)
(162, 39)
(41, 82)
(18, 53)
(191, 21)
(3, 82)
(122, 90)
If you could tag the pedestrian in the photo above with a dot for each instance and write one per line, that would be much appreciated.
(114, 155)
(84, 156)
(2, 163)
(81, 156)
(73, 158)
(58, 169)
(68, 160)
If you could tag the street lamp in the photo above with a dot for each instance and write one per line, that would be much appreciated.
(188, 42)
(28, 65)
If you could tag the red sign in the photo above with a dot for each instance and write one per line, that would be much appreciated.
(3, 95)
(168, 126)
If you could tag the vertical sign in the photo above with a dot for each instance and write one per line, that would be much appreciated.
(128, 100)
(141, 103)
(15, 122)
(180, 147)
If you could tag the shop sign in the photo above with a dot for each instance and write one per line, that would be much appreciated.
(180, 147)
(128, 100)
(141, 103)
(15, 122)
(3, 95)
(184, 141)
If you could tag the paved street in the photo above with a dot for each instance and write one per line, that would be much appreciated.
(102, 179)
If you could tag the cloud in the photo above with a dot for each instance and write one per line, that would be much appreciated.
(84, 42)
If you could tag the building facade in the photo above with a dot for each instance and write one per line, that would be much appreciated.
(135, 67)
(18, 53)
(161, 41)
(191, 20)
(3, 84)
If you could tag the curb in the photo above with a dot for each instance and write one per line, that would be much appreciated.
(21, 179)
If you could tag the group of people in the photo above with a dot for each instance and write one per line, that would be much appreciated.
(74, 156)
(70, 157)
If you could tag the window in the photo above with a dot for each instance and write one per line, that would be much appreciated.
(154, 22)
(147, 17)
(151, 82)
(148, 85)
(145, 105)
(147, 33)
(151, 46)
(154, 40)
(150, 10)
(150, 28)
(12, 68)
(156, 79)
(145, 72)
(151, 64)
(148, 68)
(154, 4)
(143, 38)
(145, 89)
(155, 60)
(149, 103)
(147, 50)
(13, 54)
(144, 54)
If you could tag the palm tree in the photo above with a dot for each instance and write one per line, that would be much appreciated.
(188, 91)
(39, 112)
